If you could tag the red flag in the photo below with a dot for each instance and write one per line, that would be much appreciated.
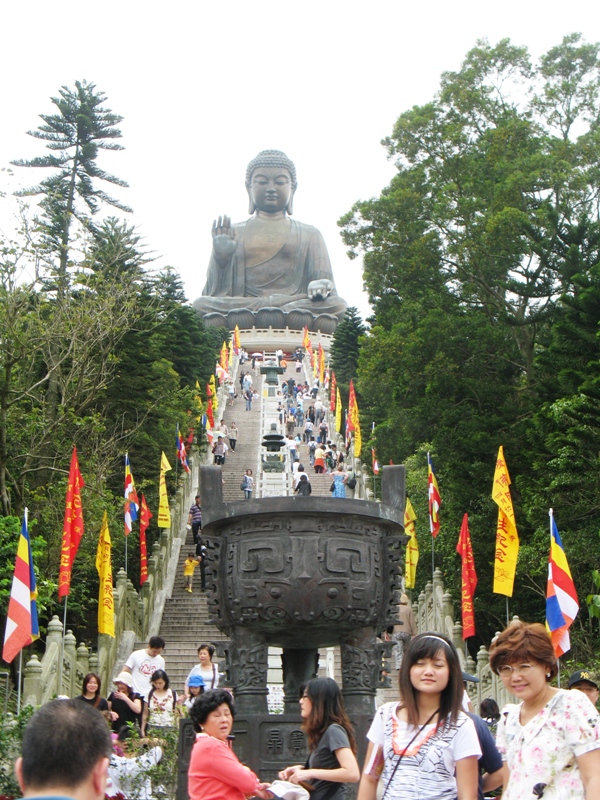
(145, 517)
(72, 526)
(332, 393)
(469, 579)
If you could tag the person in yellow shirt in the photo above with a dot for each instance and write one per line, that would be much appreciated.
(189, 565)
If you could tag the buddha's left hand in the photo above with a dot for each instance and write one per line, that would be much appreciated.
(319, 290)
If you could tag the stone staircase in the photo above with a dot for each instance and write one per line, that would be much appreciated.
(184, 623)
(185, 620)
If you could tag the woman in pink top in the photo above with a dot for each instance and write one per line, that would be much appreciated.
(215, 772)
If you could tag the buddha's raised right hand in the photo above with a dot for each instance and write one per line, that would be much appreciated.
(224, 244)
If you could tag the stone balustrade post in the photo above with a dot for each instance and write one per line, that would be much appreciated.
(457, 636)
(83, 660)
(94, 663)
(422, 616)
(32, 683)
(68, 685)
(55, 631)
(447, 607)
(429, 606)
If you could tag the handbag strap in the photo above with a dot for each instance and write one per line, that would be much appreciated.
(401, 755)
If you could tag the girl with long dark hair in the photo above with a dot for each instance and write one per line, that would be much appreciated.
(90, 692)
(425, 745)
(331, 761)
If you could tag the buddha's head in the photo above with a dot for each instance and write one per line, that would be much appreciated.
(271, 182)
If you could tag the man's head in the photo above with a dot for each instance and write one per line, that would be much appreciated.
(197, 499)
(156, 645)
(585, 681)
(65, 751)
(271, 182)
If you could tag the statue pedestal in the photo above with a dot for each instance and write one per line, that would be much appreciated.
(287, 339)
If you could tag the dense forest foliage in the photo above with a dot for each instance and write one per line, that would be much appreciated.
(481, 261)
(97, 350)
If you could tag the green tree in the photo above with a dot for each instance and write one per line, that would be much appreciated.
(490, 219)
(346, 345)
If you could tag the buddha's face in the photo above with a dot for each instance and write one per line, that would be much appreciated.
(271, 189)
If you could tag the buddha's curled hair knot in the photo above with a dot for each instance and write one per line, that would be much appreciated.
(271, 158)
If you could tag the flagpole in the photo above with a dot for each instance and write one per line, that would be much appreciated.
(19, 681)
(507, 614)
(126, 538)
(62, 650)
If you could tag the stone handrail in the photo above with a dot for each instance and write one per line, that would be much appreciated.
(137, 614)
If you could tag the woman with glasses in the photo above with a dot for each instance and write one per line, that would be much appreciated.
(550, 740)
(331, 761)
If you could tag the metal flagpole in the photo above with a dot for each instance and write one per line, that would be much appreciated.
(507, 614)
(59, 671)
(19, 681)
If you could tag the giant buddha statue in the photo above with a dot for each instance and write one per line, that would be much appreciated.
(270, 271)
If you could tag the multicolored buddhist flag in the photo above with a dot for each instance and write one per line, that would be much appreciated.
(507, 538)
(181, 452)
(164, 512)
(353, 420)
(435, 501)
(106, 603)
(332, 392)
(412, 547)
(374, 461)
(21, 619)
(72, 526)
(562, 604)
(338, 411)
(132, 504)
(145, 517)
(469, 579)
(236, 341)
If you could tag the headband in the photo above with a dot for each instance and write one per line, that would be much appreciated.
(433, 636)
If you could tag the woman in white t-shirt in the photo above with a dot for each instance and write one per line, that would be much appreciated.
(208, 671)
(424, 747)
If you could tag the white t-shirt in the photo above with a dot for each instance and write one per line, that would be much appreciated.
(142, 668)
(426, 772)
(208, 675)
(126, 775)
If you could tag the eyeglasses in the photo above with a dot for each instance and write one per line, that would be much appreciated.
(522, 669)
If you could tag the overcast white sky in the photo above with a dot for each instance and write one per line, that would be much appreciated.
(204, 86)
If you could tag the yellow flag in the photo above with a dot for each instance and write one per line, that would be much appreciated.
(412, 547)
(106, 603)
(164, 512)
(507, 538)
(213, 388)
(338, 410)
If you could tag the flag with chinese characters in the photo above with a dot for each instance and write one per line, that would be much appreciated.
(321, 363)
(412, 546)
(332, 392)
(338, 411)
(213, 394)
(353, 421)
(181, 452)
(469, 579)
(106, 604)
(145, 517)
(164, 512)
(435, 501)
(72, 526)
(306, 342)
(21, 618)
(562, 604)
(507, 538)
(236, 340)
(225, 357)
(210, 409)
(131, 499)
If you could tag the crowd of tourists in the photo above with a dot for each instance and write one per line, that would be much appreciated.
(426, 745)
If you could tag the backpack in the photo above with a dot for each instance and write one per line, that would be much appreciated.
(351, 482)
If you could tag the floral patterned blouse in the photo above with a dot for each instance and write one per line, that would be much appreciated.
(542, 755)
